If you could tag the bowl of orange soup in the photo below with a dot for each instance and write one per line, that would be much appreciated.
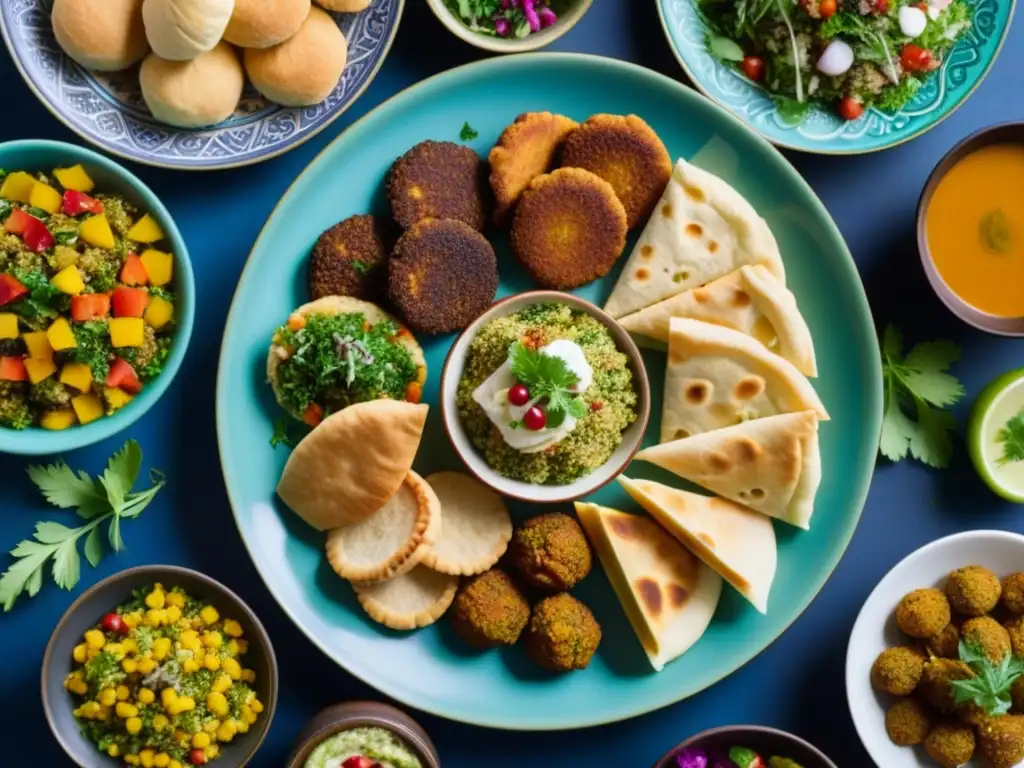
(970, 229)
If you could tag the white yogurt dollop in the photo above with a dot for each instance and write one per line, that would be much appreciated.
(836, 59)
(912, 21)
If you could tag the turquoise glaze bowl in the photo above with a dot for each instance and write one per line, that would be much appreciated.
(37, 155)
(431, 669)
(824, 132)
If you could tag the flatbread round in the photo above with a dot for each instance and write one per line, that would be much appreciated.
(415, 599)
(343, 305)
(477, 526)
(391, 541)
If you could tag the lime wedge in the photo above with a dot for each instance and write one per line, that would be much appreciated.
(1000, 401)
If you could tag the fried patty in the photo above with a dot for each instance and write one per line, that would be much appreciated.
(438, 180)
(442, 275)
(350, 259)
(525, 150)
(490, 610)
(627, 153)
(569, 228)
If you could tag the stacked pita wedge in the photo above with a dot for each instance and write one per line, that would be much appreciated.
(735, 542)
(668, 595)
(772, 465)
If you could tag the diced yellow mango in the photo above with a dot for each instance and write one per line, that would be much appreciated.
(127, 331)
(159, 266)
(159, 312)
(87, 408)
(39, 370)
(95, 230)
(38, 345)
(69, 280)
(57, 420)
(74, 178)
(44, 196)
(146, 230)
(18, 186)
(60, 335)
(9, 325)
(116, 398)
(77, 375)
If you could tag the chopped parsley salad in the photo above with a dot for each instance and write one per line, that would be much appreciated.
(86, 301)
(160, 682)
(846, 54)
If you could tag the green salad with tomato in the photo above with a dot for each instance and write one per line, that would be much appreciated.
(845, 54)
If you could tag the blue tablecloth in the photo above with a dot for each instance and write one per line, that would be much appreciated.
(797, 684)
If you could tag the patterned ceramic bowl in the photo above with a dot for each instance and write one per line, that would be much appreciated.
(826, 133)
(108, 110)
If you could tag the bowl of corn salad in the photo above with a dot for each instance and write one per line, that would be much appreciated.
(159, 666)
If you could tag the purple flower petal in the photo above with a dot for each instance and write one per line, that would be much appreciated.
(506, 4)
(547, 17)
(502, 26)
(531, 15)
(692, 758)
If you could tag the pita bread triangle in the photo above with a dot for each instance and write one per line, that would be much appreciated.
(668, 594)
(772, 465)
(750, 300)
(735, 542)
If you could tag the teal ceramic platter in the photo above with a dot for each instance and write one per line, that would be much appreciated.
(824, 132)
(431, 669)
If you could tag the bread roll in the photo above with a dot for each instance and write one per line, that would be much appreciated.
(263, 23)
(304, 69)
(104, 35)
(196, 93)
(182, 29)
(345, 6)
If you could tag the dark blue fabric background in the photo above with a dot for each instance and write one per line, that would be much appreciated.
(797, 684)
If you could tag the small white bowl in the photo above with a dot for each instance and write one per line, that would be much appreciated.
(876, 630)
(532, 42)
(517, 489)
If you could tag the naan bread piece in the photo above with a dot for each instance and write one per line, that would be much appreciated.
(477, 527)
(750, 300)
(668, 594)
(701, 229)
(772, 465)
(415, 599)
(734, 541)
(352, 463)
(717, 377)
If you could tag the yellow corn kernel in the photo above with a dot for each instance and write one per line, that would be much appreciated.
(212, 751)
(129, 645)
(232, 647)
(107, 697)
(173, 613)
(88, 710)
(209, 615)
(132, 619)
(182, 737)
(160, 722)
(212, 662)
(232, 628)
(182, 704)
(241, 726)
(129, 665)
(146, 695)
(133, 725)
(74, 178)
(222, 684)
(122, 692)
(174, 764)
(175, 598)
(90, 653)
(162, 760)
(248, 716)
(114, 649)
(233, 668)
(248, 675)
(146, 666)
(189, 666)
(113, 750)
(256, 705)
(155, 599)
(146, 758)
(201, 740)
(167, 695)
(211, 726)
(95, 639)
(243, 647)
(189, 639)
(131, 759)
(155, 616)
(227, 731)
(161, 647)
(78, 654)
(200, 656)
(213, 639)
(217, 703)
(124, 709)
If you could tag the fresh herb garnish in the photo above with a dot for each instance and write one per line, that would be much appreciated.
(990, 687)
(92, 347)
(1012, 438)
(39, 213)
(994, 229)
(467, 133)
(548, 378)
(106, 499)
(360, 267)
(284, 434)
(42, 295)
(918, 386)
(67, 236)
(873, 46)
(790, 111)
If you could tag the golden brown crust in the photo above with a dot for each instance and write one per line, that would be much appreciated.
(438, 180)
(263, 23)
(350, 259)
(415, 599)
(477, 526)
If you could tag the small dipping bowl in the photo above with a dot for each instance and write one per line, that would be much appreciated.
(767, 742)
(1007, 133)
(532, 42)
(363, 714)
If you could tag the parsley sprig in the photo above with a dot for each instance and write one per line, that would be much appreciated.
(917, 386)
(1012, 437)
(107, 499)
(550, 381)
(990, 686)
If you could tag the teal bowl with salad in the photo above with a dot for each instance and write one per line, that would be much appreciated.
(837, 76)
(509, 26)
(96, 298)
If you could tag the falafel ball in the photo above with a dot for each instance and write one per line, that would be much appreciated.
(898, 670)
(350, 259)
(950, 744)
(563, 634)
(551, 552)
(438, 180)
(923, 613)
(627, 153)
(935, 686)
(1015, 629)
(973, 590)
(1001, 740)
(989, 635)
(442, 275)
(907, 723)
(1013, 592)
(525, 150)
(946, 644)
(569, 228)
(1017, 695)
(490, 610)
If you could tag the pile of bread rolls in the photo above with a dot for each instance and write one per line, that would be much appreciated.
(196, 54)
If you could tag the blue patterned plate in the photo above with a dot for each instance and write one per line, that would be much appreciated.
(824, 132)
(107, 108)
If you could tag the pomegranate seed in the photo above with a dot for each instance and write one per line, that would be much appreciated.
(358, 762)
(535, 419)
(519, 395)
(597, 405)
(111, 622)
(197, 757)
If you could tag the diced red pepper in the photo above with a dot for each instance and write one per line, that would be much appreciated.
(17, 222)
(881, 7)
(914, 58)
(314, 415)
(11, 289)
(122, 376)
(850, 108)
(13, 369)
(134, 271)
(36, 236)
(753, 67)
(827, 8)
(76, 203)
(88, 306)
(129, 302)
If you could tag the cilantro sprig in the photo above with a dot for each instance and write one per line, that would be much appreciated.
(917, 388)
(106, 499)
(990, 686)
(1012, 437)
(468, 133)
(550, 381)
